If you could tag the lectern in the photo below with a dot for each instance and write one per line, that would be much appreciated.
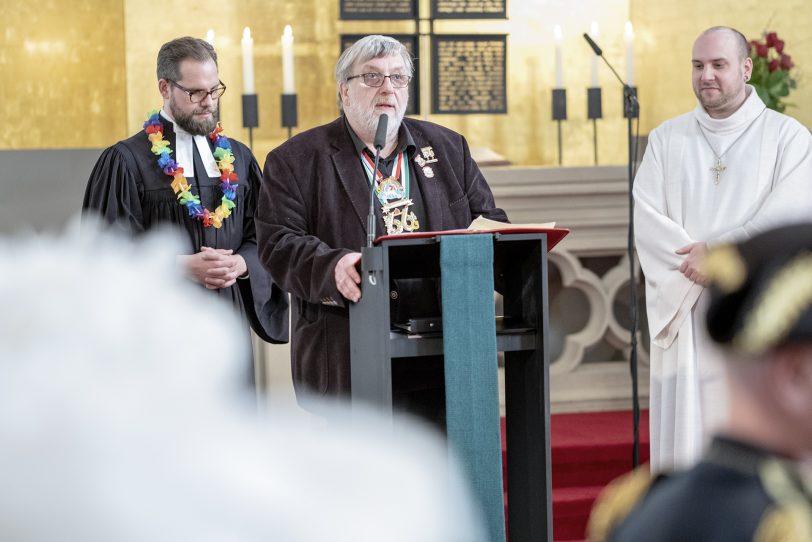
(520, 270)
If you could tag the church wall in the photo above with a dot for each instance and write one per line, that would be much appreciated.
(526, 135)
(90, 63)
(62, 77)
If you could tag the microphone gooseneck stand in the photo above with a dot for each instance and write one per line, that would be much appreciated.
(379, 142)
(371, 257)
(631, 110)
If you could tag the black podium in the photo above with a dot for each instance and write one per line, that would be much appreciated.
(520, 270)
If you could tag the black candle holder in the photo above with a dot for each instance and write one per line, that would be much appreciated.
(559, 114)
(630, 103)
(289, 113)
(594, 103)
(250, 116)
(594, 111)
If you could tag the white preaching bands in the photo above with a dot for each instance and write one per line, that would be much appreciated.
(183, 150)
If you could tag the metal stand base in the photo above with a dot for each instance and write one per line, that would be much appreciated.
(250, 116)
(594, 111)
(289, 113)
(559, 114)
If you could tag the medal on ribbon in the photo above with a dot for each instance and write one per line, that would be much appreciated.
(398, 218)
(389, 189)
(394, 196)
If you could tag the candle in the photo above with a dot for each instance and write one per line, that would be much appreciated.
(559, 69)
(629, 35)
(593, 33)
(247, 62)
(288, 82)
(210, 36)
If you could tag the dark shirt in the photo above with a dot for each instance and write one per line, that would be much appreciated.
(386, 164)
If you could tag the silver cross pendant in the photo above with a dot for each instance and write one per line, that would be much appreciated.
(718, 169)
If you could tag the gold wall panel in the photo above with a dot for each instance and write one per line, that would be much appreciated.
(525, 135)
(62, 77)
(91, 63)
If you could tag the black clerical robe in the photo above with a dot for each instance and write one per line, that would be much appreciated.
(129, 190)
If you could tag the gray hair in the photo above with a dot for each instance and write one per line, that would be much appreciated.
(742, 45)
(366, 49)
(176, 51)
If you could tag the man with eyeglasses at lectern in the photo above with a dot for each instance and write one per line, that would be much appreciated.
(313, 208)
(181, 170)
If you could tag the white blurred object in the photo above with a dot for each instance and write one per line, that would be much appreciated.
(121, 419)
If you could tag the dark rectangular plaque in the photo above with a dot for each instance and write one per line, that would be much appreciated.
(410, 41)
(469, 9)
(378, 10)
(469, 74)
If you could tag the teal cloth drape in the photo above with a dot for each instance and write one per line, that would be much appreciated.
(471, 377)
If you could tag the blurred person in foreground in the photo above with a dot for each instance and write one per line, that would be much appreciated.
(182, 170)
(109, 434)
(755, 480)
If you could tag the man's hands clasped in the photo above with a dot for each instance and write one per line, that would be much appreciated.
(214, 268)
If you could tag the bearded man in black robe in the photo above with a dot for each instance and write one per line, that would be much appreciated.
(181, 171)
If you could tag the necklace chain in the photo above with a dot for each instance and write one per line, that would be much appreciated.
(718, 168)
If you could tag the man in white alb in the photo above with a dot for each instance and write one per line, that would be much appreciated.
(724, 172)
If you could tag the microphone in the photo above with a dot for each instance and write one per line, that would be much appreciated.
(597, 51)
(593, 45)
(380, 133)
(379, 142)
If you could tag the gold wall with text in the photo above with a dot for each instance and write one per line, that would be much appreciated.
(81, 73)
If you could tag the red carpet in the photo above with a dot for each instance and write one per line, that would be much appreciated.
(589, 450)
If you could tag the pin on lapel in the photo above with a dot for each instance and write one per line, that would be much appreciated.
(426, 158)
(428, 153)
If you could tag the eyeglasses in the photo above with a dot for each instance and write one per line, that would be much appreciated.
(198, 95)
(376, 79)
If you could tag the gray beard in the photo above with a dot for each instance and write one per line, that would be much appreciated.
(369, 121)
(188, 122)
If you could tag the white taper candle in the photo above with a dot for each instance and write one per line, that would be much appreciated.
(288, 79)
(247, 62)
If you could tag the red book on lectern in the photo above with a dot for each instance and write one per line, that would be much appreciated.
(483, 225)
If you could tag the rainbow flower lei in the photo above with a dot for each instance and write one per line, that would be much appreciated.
(225, 160)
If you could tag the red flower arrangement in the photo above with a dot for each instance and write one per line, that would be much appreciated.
(771, 66)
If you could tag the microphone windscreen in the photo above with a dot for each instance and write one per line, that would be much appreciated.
(380, 134)
(593, 44)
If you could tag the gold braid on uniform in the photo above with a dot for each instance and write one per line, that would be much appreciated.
(725, 267)
(616, 501)
(787, 295)
(790, 519)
